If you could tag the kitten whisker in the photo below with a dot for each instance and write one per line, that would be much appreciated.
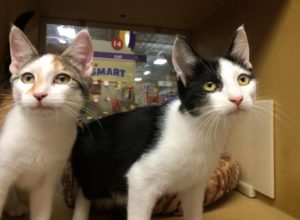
(80, 107)
(7, 106)
(70, 112)
(280, 117)
(3, 95)
(209, 140)
(76, 105)
(226, 126)
(57, 120)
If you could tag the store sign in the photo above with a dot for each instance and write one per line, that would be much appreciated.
(117, 43)
(113, 70)
(109, 71)
(165, 83)
(120, 56)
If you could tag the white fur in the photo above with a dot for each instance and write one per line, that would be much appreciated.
(35, 143)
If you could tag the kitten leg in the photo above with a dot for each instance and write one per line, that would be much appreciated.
(41, 198)
(82, 207)
(192, 202)
(14, 207)
(7, 178)
(141, 199)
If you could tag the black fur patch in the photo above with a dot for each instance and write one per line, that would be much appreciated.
(106, 149)
(193, 96)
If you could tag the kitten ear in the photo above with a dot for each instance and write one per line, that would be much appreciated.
(239, 48)
(183, 58)
(81, 52)
(21, 50)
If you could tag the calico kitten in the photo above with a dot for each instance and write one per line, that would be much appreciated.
(39, 129)
(135, 157)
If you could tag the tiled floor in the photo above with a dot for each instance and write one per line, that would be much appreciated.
(233, 207)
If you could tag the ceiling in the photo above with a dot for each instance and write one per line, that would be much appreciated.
(147, 15)
(176, 14)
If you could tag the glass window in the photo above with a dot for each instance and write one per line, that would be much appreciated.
(131, 68)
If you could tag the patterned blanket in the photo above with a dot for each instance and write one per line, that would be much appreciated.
(224, 179)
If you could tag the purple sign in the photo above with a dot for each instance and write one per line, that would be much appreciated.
(120, 56)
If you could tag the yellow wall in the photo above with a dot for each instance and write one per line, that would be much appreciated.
(274, 33)
(279, 74)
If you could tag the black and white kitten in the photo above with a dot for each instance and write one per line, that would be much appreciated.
(135, 157)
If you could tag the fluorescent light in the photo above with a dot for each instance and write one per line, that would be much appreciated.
(62, 41)
(160, 61)
(147, 72)
(138, 79)
(66, 32)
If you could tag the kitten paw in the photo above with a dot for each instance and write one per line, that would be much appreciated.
(17, 210)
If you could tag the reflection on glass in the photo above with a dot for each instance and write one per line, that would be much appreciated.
(131, 69)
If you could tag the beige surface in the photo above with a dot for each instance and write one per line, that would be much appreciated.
(233, 207)
(278, 72)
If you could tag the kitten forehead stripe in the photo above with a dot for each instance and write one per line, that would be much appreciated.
(38, 82)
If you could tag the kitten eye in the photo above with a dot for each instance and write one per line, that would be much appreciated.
(244, 79)
(210, 86)
(62, 79)
(27, 78)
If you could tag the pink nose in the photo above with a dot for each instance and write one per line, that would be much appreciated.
(40, 95)
(237, 100)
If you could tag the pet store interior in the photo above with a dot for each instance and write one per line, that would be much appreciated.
(133, 43)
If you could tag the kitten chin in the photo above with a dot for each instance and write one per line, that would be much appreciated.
(42, 111)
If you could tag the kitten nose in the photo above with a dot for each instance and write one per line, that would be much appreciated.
(237, 100)
(40, 95)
